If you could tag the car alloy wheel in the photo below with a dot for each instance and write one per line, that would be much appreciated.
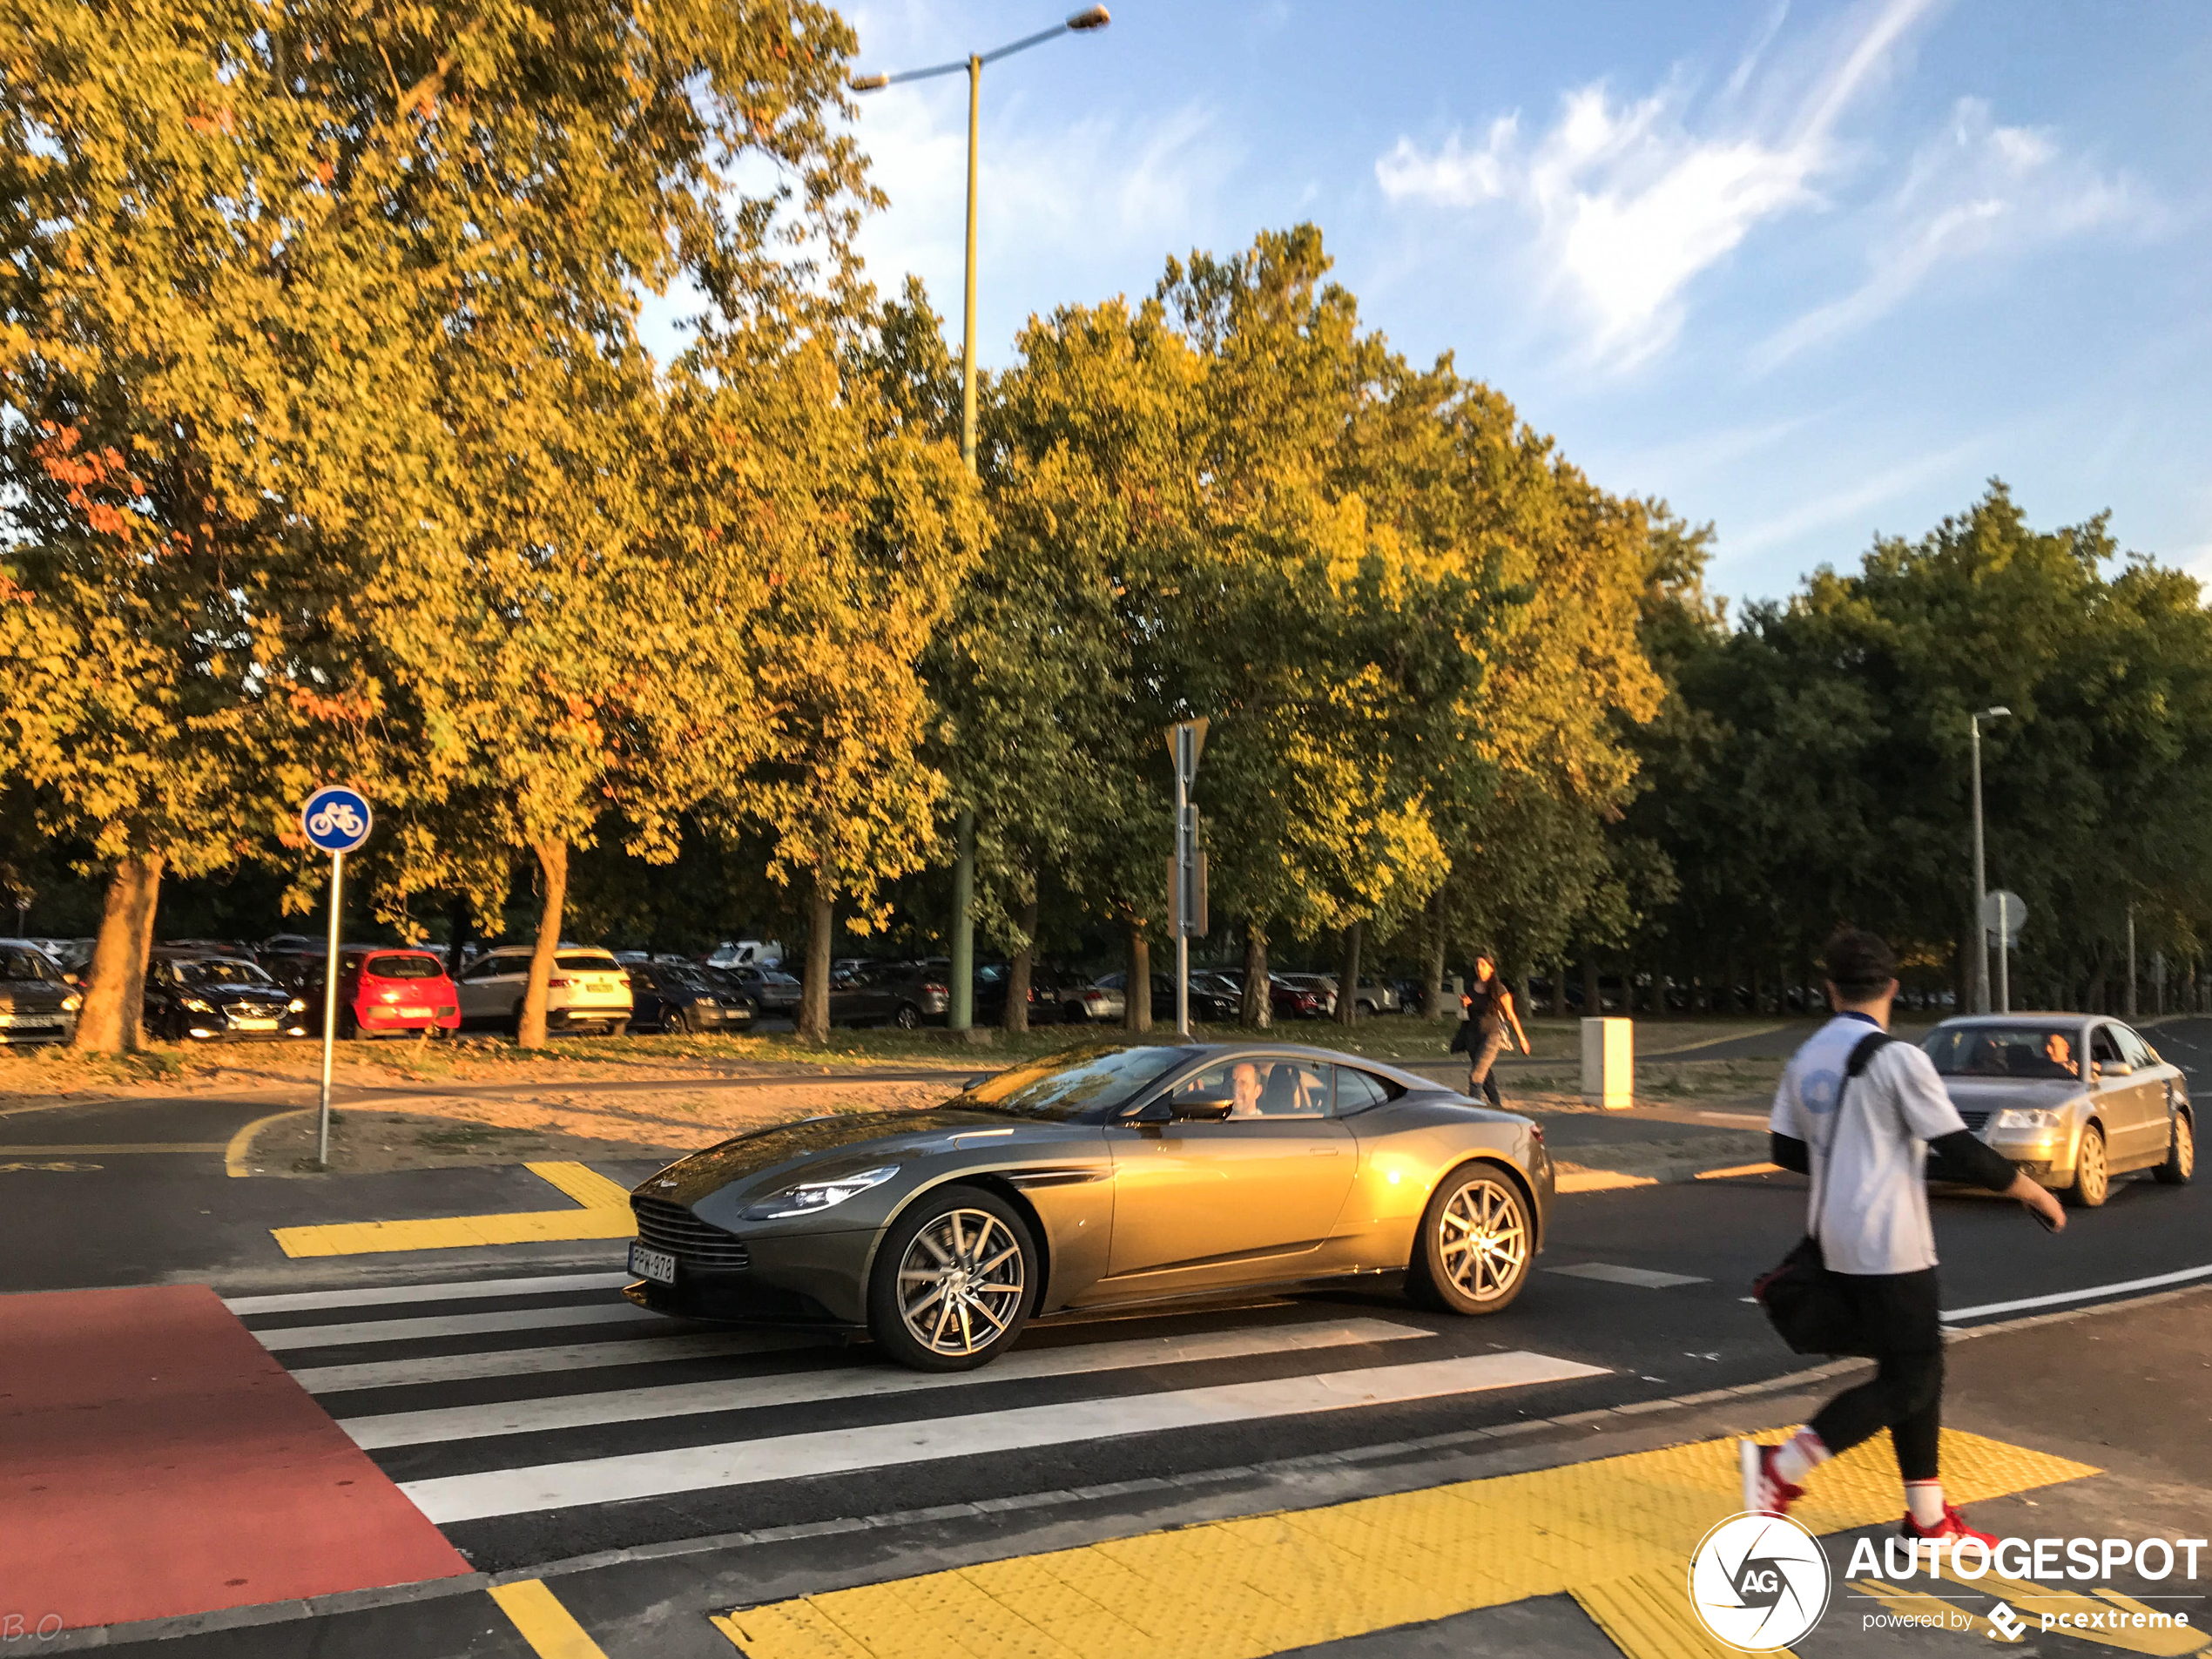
(1476, 1243)
(676, 1022)
(2180, 1167)
(2092, 1180)
(954, 1281)
(910, 1017)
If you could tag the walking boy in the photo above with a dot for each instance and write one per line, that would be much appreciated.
(1865, 1147)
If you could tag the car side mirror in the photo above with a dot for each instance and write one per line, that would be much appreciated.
(1153, 1112)
(2115, 1068)
(976, 1082)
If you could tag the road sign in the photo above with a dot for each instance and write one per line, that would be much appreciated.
(2002, 913)
(336, 818)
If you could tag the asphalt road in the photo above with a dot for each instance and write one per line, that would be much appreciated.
(482, 1402)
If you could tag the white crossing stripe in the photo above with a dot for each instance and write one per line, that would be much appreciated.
(1644, 1278)
(468, 1290)
(859, 1382)
(539, 1362)
(452, 1325)
(448, 1499)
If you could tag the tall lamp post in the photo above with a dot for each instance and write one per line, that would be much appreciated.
(1981, 874)
(962, 1014)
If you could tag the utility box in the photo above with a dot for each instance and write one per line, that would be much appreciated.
(1608, 1063)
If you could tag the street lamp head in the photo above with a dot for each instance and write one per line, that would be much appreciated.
(1096, 18)
(1994, 714)
(868, 82)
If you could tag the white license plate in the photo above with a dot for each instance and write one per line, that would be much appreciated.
(30, 1022)
(244, 1024)
(414, 1014)
(656, 1264)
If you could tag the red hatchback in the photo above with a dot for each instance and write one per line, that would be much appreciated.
(399, 991)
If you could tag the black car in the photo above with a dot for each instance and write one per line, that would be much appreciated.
(37, 1004)
(1208, 1006)
(666, 996)
(191, 998)
(769, 989)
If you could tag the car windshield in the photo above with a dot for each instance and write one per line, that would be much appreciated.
(403, 967)
(2034, 1051)
(222, 971)
(26, 965)
(1085, 1084)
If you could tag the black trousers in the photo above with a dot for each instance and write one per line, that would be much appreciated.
(1899, 1312)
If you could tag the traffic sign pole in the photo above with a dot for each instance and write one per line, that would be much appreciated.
(2004, 954)
(329, 1010)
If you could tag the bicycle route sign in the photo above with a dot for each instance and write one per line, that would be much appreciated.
(336, 818)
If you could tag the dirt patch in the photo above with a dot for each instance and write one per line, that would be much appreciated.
(434, 1134)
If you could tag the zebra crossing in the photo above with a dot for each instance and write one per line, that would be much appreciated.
(537, 1418)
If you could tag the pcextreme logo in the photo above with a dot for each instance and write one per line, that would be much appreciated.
(1759, 1583)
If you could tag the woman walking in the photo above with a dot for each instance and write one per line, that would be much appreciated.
(1487, 1009)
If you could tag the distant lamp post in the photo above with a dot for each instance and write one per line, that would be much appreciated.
(960, 1015)
(1981, 874)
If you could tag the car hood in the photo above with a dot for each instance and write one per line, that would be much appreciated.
(1987, 1093)
(31, 995)
(823, 1143)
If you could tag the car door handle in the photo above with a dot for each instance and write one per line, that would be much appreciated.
(1323, 1152)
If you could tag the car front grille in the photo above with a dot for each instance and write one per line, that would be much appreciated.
(1977, 1120)
(683, 1235)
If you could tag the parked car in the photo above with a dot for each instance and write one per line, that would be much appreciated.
(388, 991)
(746, 953)
(289, 945)
(1050, 992)
(1208, 1006)
(1374, 998)
(769, 989)
(675, 997)
(587, 990)
(1296, 997)
(193, 998)
(1096, 1003)
(1323, 988)
(2021, 1084)
(1098, 1178)
(36, 1003)
(901, 994)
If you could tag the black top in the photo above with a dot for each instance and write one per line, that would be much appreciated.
(1485, 1005)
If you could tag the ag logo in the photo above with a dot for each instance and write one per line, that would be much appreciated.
(1759, 1582)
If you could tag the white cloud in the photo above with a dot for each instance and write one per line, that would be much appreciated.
(1850, 505)
(1633, 200)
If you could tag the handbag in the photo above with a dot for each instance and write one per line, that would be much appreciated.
(1809, 1306)
(1460, 1038)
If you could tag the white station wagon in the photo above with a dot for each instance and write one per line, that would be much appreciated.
(588, 990)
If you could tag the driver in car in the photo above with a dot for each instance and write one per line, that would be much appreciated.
(2058, 1052)
(1243, 1089)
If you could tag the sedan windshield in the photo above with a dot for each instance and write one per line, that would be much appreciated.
(27, 965)
(2033, 1051)
(221, 971)
(1086, 1084)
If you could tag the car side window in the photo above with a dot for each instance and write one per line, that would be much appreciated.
(2133, 1049)
(1259, 1087)
(486, 968)
(1356, 1090)
(2102, 1049)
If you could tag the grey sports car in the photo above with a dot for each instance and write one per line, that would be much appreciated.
(2019, 1081)
(1097, 1176)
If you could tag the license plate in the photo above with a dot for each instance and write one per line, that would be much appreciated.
(30, 1022)
(656, 1264)
(414, 1014)
(243, 1024)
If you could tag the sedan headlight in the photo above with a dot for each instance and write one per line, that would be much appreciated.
(809, 1196)
(71, 1004)
(703, 1001)
(296, 1006)
(2027, 1117)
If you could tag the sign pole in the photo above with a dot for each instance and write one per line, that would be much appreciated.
(1181, 891)
(329, 1012)
(2004, 953)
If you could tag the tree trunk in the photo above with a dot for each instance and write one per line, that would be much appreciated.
(458, 918)
(1521, 995)
(1433, 963)
(1348, 974)
(1137, 1005)
(112, 1019)
(1258, 1009)
(553, 869)
(1017, 973)
(813, 988)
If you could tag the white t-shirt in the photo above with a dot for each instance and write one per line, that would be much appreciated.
(1869, 1202)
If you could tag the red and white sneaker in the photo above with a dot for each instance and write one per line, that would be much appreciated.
(1953, 1525)
(1766, 1493)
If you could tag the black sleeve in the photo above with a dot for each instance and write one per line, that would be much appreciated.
(1960, 1156)
(1787, 1151)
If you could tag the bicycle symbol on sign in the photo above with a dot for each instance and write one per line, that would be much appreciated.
(336, 818)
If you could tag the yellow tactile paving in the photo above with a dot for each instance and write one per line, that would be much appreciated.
(605, 1214)
(1615, 1531)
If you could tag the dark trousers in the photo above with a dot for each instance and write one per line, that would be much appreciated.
(1487, 1045)
(1899, 1311)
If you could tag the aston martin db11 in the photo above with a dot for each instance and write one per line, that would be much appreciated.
(1098, 1176)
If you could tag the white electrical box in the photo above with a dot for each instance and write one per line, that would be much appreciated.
(1608, 1063)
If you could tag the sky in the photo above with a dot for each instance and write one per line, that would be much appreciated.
(1811, 272)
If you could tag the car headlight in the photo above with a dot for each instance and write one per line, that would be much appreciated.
(295, 1006)
(197, 1006)
(71, 1004)
(2027, 1117)
(809, 1196)
(703, 1001)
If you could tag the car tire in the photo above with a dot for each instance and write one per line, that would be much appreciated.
(908, 1018)
(349, 1027)
(922, 1281)
(1476, 1246)
(2179, 1168)
(514, 1023)
(2092, 1173)
(676, 1022)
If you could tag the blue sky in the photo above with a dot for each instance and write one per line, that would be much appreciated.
(1807, 271)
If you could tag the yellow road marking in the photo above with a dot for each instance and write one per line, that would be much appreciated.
(549, 1628)
(241, 1146)
(126, 1146)
(1599, 1181)
(1648, 1615)
(1239, 1590)
(605, 1214)
(1739, 1168)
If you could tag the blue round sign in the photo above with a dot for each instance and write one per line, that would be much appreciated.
(336, 818)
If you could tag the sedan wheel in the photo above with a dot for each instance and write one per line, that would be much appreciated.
(2092, 1181)
(908, 1017)
(1475, 1244)
(676, 1022)
(2180, 1167)
(954, 1281)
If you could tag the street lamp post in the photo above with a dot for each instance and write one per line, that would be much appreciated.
(962, 1014)
(1981, 875)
